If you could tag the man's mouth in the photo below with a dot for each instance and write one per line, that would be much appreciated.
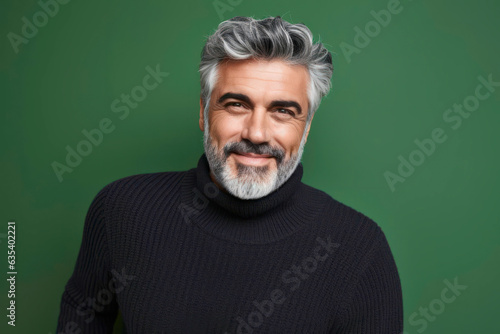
(252, 158)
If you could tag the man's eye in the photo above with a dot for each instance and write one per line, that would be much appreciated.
(285, 111)
(235, 104)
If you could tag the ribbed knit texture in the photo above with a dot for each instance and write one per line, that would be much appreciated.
(175, 254)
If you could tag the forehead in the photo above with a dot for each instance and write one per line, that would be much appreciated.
(263, 79)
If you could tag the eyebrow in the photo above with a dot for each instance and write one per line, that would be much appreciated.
(246, 99)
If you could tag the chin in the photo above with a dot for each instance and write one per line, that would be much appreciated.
(248, 186)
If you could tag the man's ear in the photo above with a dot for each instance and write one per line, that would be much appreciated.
(201, 121)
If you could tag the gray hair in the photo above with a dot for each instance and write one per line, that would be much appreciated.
(271, 38)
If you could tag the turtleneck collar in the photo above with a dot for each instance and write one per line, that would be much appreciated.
(281, 213)
(245, 208)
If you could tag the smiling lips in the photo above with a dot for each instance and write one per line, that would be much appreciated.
(252, 158)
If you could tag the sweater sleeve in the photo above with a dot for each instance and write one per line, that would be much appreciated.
(376, 303)
(88, 303)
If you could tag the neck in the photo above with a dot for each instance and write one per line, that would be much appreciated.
(270, 218)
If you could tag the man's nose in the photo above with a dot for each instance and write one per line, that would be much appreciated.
(256, 127)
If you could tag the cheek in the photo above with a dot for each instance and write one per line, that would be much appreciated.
(224, 128)
(289, 137)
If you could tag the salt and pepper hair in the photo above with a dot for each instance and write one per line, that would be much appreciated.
(270, 38)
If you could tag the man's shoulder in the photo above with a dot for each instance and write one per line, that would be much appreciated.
(356, 233)
(339, 215)
(131, 187)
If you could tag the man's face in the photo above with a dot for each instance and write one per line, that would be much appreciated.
(256, 130)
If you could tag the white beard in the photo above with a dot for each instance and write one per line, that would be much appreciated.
(248, 182)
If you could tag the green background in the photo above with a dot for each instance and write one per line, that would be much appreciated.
(441, 223)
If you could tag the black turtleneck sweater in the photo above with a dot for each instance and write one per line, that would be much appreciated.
(174, 254)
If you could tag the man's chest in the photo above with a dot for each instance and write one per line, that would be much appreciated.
(197, 284)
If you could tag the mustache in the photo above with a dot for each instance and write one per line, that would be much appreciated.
(246, 146)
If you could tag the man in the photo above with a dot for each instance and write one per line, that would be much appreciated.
(238, 244)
